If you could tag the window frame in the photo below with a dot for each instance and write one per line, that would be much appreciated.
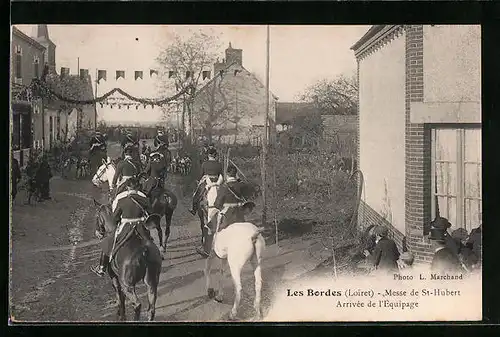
(19, 62)
(461, 197)
(36, 66)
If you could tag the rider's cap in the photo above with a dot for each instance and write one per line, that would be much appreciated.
(232, 171)
(132, 182)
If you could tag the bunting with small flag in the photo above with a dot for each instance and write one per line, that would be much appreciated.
(101, 74)
(120, 73)
(171, 74)
(206, 74)
(153, 71)
(138, 74)
(188, 74)
(236, 71)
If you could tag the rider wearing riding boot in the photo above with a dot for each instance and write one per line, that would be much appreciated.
(126, 169)
(156, 170)
(130, 207)
(211, 168)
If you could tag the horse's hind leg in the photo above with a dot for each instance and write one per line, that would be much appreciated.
(168, 223)
(132, 296)
(235, 266)
(256, 265)
(120, 297)
(152, 280)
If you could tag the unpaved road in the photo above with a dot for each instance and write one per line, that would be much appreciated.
(53, 247)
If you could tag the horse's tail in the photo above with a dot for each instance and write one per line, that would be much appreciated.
(258, 243)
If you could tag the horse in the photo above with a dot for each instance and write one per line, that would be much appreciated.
(137, 259)
(237, 244)
(164, 203)
(106, 173)
(206, 209)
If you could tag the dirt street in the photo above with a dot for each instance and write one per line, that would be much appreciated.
(53, 248)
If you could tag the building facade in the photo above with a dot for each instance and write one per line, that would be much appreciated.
(419, 143)
(27, 61)
(232, 105)
(43, 122)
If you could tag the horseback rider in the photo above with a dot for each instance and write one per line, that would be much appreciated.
(230, 198)
(231, 194)
(160, 139)
(213, 170)
(156, 171)
(146, 150)
(97, 143)
(126, 169)
(204, 152)
(129, 140)
(130, 207)
(98, 149)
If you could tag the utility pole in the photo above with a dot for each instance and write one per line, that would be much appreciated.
(264, 143)
(95, 97)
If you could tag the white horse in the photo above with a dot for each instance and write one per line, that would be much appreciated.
(105, 173)
(237, 244)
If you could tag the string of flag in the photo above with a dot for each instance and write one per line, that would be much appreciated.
(40, 89)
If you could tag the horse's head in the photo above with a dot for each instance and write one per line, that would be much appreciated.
(105, 173)
(104, 218)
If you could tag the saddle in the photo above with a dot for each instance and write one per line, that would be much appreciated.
(127, 230)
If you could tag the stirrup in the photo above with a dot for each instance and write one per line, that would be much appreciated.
(99, 270)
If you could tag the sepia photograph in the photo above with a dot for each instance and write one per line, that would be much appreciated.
(216, 173)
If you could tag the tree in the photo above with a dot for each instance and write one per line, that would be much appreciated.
(182, 64)
(337, 96)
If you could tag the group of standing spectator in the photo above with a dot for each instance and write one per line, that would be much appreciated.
(38, 174)
(453, 253)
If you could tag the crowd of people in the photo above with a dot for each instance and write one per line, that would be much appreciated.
(458, 252)
(37, 176)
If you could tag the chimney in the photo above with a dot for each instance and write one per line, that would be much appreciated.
(83, 74)
(234, 55)
(64, 71)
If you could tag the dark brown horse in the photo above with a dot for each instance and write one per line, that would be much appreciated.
(164, 203)
(136, 258)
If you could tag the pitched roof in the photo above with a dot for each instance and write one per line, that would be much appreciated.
(225, 70)
(287, 111)
(21, 35)
(72, 87)
(368, 35)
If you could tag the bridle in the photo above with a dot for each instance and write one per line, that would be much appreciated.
(100, 173)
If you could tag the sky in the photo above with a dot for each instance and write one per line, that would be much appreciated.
(299, 55)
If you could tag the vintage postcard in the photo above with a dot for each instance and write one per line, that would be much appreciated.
(245, 173)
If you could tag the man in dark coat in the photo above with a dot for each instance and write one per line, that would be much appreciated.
(230, 200)
(15, 176)
(161, 139)
(126, 169)
(474, 247)
(211, 168)
(442, 224)
(129, 207)
(385, 254)
(43, 176)
(97, 151)
(444, 260)
(156, 171)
